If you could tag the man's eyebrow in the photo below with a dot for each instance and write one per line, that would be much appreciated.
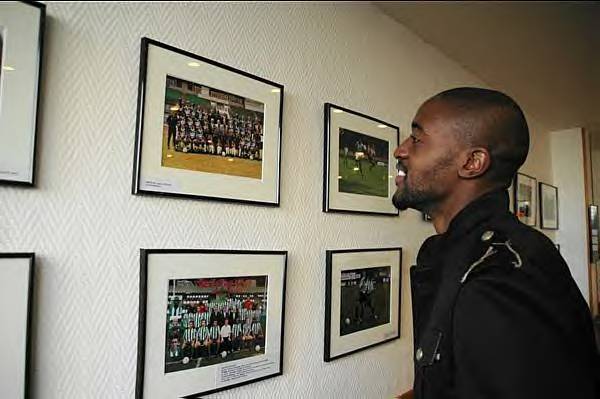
(416, 126)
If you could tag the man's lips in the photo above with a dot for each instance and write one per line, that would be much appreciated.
(401, 173)
(401, 176)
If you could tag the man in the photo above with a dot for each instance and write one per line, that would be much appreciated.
(496, 312)
(366, 288)
(359, 154)
(236, 335)
(247, 335)
(225, 335)
(172, 129)
(215, 337)
(203, 339)
(257, 333)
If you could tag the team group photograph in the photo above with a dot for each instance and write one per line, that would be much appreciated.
(209, 130)
(214, 320)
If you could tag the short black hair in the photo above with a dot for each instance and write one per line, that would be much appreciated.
(493, 120)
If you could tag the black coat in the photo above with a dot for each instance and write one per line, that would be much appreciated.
(496, 313)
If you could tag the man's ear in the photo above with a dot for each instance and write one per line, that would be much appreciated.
(477, 162)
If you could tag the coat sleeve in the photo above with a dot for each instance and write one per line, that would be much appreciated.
(508, 343)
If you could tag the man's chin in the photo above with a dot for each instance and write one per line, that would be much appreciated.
(402, 201)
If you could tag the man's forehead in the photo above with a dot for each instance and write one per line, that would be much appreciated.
(434, 115)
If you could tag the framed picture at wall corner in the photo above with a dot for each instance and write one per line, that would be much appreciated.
(594, 232)
(511, 199)
(362, 299)
(525, 198)
(359, 164)
(16, 295)
(210, 320)
(548, 196)
(21, 45)
(205, 130)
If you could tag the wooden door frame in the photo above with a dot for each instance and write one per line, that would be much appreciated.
(589, 200)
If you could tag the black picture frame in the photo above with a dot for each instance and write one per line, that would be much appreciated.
(531, 183)
(276, 340)
(29, 275)
(157, 174)
(334, 345)
(358, 124)
(21, 171)
(543, 189)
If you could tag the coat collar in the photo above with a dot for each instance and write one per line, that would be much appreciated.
(477, 212)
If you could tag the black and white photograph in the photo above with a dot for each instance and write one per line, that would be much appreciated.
(206, 130)
(362, 299)
(365, 299)
(548, 196)
(210, 320)
(21, 47)
(16, 295)
(359, 162)
(525, 201)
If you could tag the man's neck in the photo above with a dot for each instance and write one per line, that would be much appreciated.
(446, 210)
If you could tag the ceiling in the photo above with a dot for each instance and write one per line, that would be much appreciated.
(546, 55)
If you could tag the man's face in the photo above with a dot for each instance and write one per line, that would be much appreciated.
(427, 160)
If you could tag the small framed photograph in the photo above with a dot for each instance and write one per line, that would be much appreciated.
(525, 200)
(360, 167)
(206, 130)
(21, 44)
(362, 302)
(548, 206)
(16, 293)
(594, 233)
(210, 320)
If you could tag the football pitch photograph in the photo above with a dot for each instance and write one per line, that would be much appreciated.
(365, 299)
(363, 164)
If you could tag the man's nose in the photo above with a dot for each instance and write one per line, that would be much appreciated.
(401, 152)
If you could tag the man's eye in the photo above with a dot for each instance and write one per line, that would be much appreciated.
(415, 140)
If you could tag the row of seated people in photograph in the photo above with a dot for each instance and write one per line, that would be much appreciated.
(231, 309)
(210, 341)
(192, 128)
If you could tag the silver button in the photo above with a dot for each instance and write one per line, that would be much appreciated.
(438, 357)
(487, 235)
(419, 354)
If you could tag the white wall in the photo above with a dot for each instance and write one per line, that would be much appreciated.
(568, 169)
(86, 228)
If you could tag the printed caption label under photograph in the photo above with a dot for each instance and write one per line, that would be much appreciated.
(229, 373)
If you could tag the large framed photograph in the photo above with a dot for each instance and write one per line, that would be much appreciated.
(525, 201)
(21, 44)
(359, 168)
(362, 300)
(206, 130)
(16, 292)
(548, 195)
(209, 320)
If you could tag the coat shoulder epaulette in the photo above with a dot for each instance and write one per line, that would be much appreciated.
(498, 247)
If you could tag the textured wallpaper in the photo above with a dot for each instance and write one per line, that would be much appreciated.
(86, 228)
